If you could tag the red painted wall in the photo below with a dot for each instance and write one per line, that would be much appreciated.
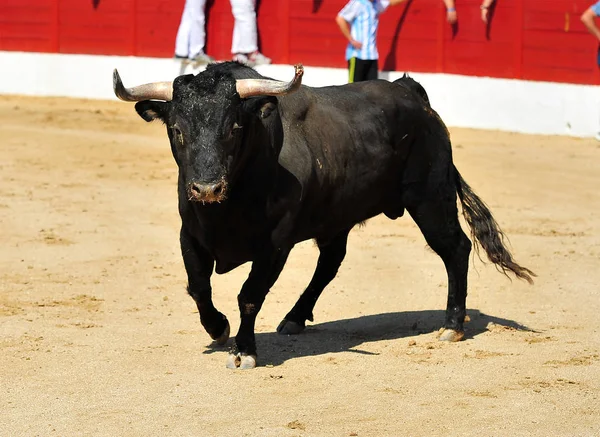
(526, 39)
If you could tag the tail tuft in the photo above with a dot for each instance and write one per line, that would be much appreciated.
(486, 233)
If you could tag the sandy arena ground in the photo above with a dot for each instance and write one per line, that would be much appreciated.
(99, 337)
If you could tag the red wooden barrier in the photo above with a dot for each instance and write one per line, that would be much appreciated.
(526, 39)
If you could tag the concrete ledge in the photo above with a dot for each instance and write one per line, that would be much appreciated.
(462, 101)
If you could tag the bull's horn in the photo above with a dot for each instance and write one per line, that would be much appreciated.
(154, 91)
(265, 87)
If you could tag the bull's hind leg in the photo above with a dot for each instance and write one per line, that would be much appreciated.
(199, 266)
(332, 253)
(436, 214)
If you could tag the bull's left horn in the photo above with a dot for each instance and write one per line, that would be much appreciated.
(149, 91)
(265, 87)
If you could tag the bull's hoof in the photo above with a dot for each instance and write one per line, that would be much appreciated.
(241, 361)
(222, 339)
(287, 327)
(451, 335)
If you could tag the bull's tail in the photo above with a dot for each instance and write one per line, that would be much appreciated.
(486, 233)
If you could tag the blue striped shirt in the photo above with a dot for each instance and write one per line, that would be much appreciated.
(363, 16)
(596, 8)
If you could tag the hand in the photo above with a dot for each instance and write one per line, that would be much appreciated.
(356, 44)
(452, 17)
(484, 14)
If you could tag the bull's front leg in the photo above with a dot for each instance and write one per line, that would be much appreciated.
(332, 254)
(199, 266)
(263, 275)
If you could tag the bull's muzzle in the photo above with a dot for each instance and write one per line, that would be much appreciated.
(207, 193)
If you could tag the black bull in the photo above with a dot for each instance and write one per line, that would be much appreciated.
(265, 164)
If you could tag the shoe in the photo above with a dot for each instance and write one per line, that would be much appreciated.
(258, 58)
(243, 59)
(598, 136)
(201, 59)
(183, 59)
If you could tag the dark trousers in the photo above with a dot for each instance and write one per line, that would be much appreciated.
(362, 69)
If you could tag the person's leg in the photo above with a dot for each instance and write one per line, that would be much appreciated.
(244, 38)
(351, 70)
(357, 70)
(182, 41)
(371, 68)
(197, 30)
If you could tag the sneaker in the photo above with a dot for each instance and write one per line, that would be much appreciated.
(183, 59)
(258, 58)
(201, 59)
(243, 59)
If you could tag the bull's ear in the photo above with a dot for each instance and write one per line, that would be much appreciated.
(151, 110)
(266, 109)
(262, 106)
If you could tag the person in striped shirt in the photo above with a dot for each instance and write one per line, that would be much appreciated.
(588, 19)
(358, 21)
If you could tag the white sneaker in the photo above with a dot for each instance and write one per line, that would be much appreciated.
(201, 59)
(258, 58)
(243, 59)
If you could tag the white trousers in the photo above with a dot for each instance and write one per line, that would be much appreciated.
(244, 30)
(191, 35)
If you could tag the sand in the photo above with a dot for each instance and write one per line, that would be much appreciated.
(99, 337)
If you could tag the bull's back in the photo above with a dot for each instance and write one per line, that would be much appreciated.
(347, 146)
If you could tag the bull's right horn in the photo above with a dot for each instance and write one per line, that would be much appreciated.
(267, 87)
(149, 91)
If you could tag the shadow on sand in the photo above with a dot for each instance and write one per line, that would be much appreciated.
(348, 334)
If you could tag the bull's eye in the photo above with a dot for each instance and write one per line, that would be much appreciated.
(177, 134)
(234, 129)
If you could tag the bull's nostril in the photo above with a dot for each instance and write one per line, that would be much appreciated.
(196, 189)
(207, 193)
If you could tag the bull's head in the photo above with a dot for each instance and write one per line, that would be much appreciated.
(205, 117)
